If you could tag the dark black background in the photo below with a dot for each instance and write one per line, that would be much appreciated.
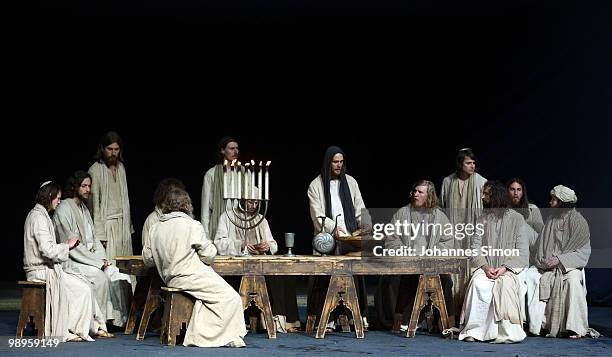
(399, 85)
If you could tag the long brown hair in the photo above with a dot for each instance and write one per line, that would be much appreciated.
(432, 197)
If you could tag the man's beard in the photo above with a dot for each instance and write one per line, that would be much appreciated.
(81, 197)
(111, 160)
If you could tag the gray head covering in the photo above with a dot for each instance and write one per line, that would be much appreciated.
(565, 194)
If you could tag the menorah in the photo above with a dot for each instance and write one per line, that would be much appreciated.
(243, 183)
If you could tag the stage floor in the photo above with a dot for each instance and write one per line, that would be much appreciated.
(375, 342)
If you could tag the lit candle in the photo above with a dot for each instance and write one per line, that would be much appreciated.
(233, 180)
(239, 168)
(247, 180)
(259, 180)
(224, 178)
(267, 190)
(253, 179)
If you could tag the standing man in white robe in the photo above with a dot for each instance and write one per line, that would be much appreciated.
(492, 306)
(176, 248)
(232, 240)
(461, 199)
(330, 194)
(109, 203)
(72, 219)
(556, 294)
(461, 192)
(213, 205)
(71, 310)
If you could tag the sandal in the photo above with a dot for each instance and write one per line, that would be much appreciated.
(293, 330)
(104, 334)
(76, 339)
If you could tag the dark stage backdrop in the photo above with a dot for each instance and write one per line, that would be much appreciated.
(400, 86)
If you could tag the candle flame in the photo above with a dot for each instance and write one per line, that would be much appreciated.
(268, 163)
(234, 161)
(260, 163)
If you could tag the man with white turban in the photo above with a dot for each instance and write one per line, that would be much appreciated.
(556, 293)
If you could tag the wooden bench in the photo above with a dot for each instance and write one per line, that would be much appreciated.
(178, 307)
(32, 307)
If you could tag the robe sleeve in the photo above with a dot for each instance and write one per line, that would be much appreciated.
(222, 239)
(579, 257)
(443, 193)
(317, 209)
(66, 229)
(203, 246)
(268, 237)
(147, 253)
(95, 204)
(516, 263)
(393, 241)
(446, 240)
(478, 260)
(535, 219)
(359, 206)
(206, 200)
(46, 242)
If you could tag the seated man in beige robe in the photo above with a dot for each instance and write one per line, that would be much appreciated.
(518, 195)
(71, 312)
(232, 240)
(556, 295)
(159, 196)
(422, 210)
(181, 253)
(492, 307)
(112, 288)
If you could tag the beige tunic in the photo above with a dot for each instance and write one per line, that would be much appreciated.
(110, 206)
(177, 243)
(316, 198)
(207, 198)
(535, 218)
(557, 297)
(152, 218)
(229, 238)
(463, 207)
(111, 288)
(492, 307)
(71, 308)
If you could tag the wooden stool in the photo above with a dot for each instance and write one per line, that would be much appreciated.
(138, 301)
(341, 285)
(430, 285)
(32, 307)
(151, 305)
(178, 307)
(253, 289)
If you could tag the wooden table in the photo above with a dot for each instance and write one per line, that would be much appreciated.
(253, 270)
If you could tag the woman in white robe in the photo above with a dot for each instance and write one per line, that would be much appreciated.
(71, 309)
